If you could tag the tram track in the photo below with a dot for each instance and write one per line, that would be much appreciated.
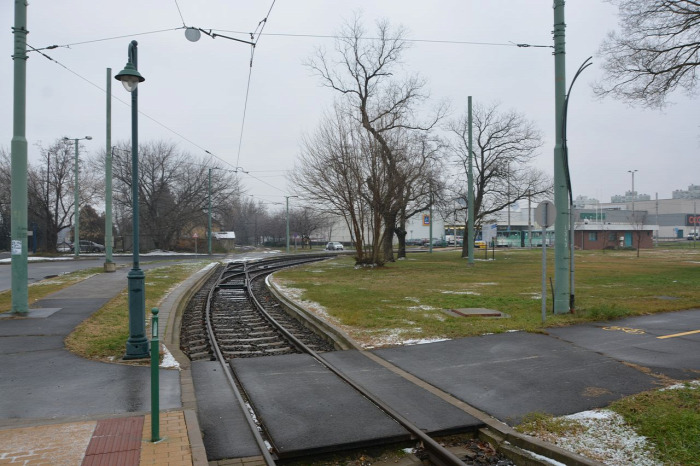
(244, 320)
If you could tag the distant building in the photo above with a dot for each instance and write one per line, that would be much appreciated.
(630, 196)
(693, 192)
(227, 239)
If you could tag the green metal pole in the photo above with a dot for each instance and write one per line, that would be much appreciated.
(109, 265)
(18, 203)
(287, 198)
(561, 200)
(470, 187)
(155, 381)
(209, 227)
(137, 343)
(76, 206)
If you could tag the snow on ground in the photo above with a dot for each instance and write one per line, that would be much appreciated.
(606, 438)
(38, 259)
(168, 359)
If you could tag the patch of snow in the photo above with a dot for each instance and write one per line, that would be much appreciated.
(168, 359)
(606, 438)
(422, 307)
(423, 341)
(409, 298)
(38, 259)
(544, 458)
(693, 384)
(462, 292)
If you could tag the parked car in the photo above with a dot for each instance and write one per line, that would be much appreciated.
(64, 247)
(334, 246)
(693, 236)
(89, 246)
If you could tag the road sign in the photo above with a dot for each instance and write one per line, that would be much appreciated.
(195, 236)
(545, 214)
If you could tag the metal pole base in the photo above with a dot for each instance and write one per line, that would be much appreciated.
(137, 344)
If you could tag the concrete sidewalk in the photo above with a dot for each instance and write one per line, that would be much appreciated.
(58, 408)
(125, 440)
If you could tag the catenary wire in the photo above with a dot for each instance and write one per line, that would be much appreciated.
(263, 22)
(180, 11)
(126, 103)
(50, 47)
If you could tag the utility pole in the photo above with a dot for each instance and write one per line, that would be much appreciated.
(109, 265)
(470, 189)
(18, 204)
(561, 198)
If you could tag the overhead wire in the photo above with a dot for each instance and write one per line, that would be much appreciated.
(180, 11)
(127, 103)
(67, 46)
(261, 26)
(255, 37)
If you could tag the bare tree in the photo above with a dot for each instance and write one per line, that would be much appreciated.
(363, 71)
(51, 189)
(334, 166)
(173, 191)
(656, 51)
(5, 195)
(504, 144)
(306, 221)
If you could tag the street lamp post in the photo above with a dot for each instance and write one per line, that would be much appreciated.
(287, 198)
(634, 195)
(76, 199)
(137, 343)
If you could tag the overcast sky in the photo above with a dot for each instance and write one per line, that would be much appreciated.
(194, 92)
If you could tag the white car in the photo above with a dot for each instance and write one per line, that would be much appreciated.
(334, 246)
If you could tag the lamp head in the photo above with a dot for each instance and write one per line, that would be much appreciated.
(130, 77)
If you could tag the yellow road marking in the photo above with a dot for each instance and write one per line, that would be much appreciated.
(678, 334)
(633, 331)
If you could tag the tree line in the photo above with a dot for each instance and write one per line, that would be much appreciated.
(173, 193)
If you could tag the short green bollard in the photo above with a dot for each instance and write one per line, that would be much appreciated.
(155, 384)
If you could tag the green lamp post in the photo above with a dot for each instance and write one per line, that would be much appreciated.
(76, 198)
(137, 343)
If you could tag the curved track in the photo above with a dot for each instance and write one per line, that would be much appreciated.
(243, 320)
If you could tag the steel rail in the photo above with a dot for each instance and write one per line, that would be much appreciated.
(439, 455)
(269, 460)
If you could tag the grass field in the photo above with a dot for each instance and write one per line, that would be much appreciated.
(406, 299)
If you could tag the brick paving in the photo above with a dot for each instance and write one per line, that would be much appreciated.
(123, 441)
(174, 447)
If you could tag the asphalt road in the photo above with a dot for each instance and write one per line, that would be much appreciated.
(37, 271)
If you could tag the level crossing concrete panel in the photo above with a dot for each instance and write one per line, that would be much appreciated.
(422, 408)
(223, 424)
(509, 375)
(308, 409)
